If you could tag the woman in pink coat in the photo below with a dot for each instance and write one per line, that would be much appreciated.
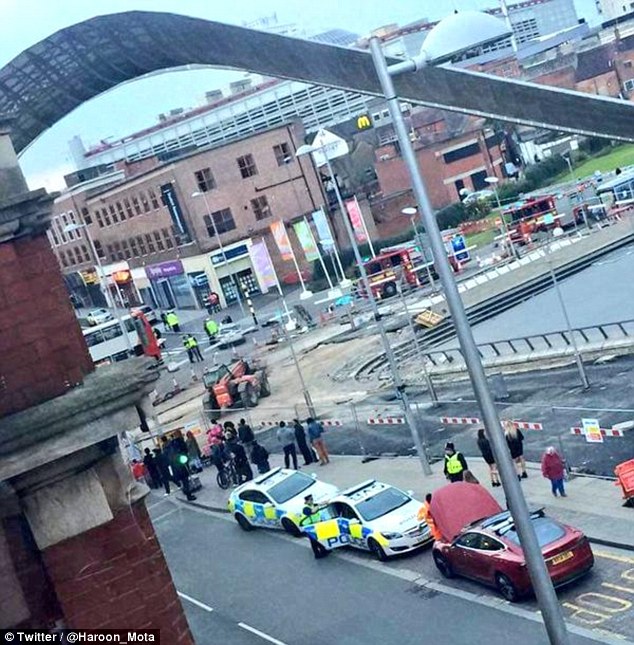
(553, 469)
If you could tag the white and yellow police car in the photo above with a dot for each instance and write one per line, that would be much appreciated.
(275, 500)
(372, 516)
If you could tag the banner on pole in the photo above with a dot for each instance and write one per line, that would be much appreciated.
(262, 264)
(323, 230)
(592, 430)
(356, 219)
(281, 239)
(306, 240)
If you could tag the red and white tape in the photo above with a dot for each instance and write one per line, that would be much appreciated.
(270, 424)
(330, 422)
(527, 425)
(386, 421)
(460, 421)
(606, 432)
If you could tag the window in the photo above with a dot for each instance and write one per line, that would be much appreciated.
(109, 252)
(629, 85)
(343, 510)
(99, 249)
(261, 208)
(167, 236)
(547, 531)
(117, 250)
(282, 154)
(128, 208)
(113, 214)
(153, 199)
(223, 221)
(133, 247)
(85, 213)
(62, 257)
(382, 503)
(137, 206)
(145, 202)
(247, 166)
(487, 543)
(159, 241)
(120, 211)
(150, 243)
(141, 245)
(106, 218)
(290, 487)
(205, 180)
(469, 541)
(84, 250)
(126, 250)
(461, 153)
(254, 496)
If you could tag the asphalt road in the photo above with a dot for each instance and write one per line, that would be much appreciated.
(235, 582)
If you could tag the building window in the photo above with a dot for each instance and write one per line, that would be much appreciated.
(85, 213)
(261, 208)
(128, 208)
(150, 243)
(167, 236)
(142, 245)
(282, 154)
(120, 211)
(629, 85)
(145, 202)
(159, 241)
(205, 180)
(99, 248)
(461, 153)
(109, 252)
(133, 247)
(84, 250)
(106, 218)
(247, 166)
(62, 257)
(113, 214)
(153, 199)
(98, 218)
(223, 221)
(137, 206)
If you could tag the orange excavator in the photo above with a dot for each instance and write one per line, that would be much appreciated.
(241, 385)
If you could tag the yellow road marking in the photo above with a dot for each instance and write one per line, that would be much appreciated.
(611, 556)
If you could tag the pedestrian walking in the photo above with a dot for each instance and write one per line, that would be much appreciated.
(260, 457)
(245, 434)
(487, 454)
(302, 443)
(193, 452)
(286, 438)
(455, 464)
(424, 515)
(315, 434)
(162, 464)
(152, 469)
(515, 441)
(553, 468)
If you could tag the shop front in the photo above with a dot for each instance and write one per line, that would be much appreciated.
(170, 286)
(234, 271)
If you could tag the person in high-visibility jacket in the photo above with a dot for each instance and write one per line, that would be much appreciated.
(455, 464)
(424, 515)
(193, 345)
(312, 516)
(211, 327)
(172, 321)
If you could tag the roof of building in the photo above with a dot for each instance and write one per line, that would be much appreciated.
(594, 62)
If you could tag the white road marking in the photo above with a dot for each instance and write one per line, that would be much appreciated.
(164, 515)
(257, 632)
(193, 601)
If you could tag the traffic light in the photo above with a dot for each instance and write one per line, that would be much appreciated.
(183, 459)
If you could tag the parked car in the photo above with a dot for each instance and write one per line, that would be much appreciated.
(478, 196)
(229, 334)
(372, 516)
(275, 500)
(480, 542)
(149, 313)
(98, 316)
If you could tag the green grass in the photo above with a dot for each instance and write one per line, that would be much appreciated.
(617, 158)
(483, 238)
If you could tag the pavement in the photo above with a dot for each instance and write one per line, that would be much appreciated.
(593, 505)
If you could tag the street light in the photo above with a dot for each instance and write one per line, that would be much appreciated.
(493, 181)
(411, 212)
(103, 280)
(576, 188)
(456, 35)
(401, 392)
(234, 278)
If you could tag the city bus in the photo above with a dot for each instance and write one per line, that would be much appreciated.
(107, 343)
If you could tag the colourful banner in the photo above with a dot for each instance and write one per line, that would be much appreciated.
(323, 230)
(281, 239)
(262, 264)
(356, 218)
(307, 241)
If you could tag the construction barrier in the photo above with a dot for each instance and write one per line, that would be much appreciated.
(470, 421)
(625, 474)
(386, 421)
(605, 432)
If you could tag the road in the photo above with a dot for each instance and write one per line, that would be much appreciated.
(253, 588)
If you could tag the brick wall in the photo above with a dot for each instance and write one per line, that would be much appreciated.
(42, 347)
(115, 575)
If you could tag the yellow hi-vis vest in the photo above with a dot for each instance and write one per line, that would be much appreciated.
(453, 464)
(193, 342)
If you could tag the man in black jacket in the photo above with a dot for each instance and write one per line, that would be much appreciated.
(300, 437)
(245, 434)
(179, 458)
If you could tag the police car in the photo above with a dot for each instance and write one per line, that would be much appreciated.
(374, 517)
(275, 500)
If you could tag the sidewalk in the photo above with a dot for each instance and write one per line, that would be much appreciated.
(593, 505)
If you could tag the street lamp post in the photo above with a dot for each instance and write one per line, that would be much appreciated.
(234, 278)
(493, 181)
(103, 280)
(401, 391)
(411, 211)
(459, 33)
(574, 183)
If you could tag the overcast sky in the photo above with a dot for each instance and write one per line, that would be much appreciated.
(127, 109)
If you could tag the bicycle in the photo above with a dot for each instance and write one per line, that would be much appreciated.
(228, 476)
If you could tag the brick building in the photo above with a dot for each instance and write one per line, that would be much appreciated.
(154, 223)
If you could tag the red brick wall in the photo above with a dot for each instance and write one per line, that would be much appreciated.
(115, 576)
(42, 347)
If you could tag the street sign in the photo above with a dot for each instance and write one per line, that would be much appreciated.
(327, 146)
(592, 430)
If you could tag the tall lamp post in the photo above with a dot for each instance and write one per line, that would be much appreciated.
(454, 35)
(234, 278)
(103, 280)
(399, 385)
(493, 181)
(411, 212)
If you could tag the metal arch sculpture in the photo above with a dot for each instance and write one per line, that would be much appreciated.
(53, 77)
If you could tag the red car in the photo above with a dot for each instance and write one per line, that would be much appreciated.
(480, 542)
